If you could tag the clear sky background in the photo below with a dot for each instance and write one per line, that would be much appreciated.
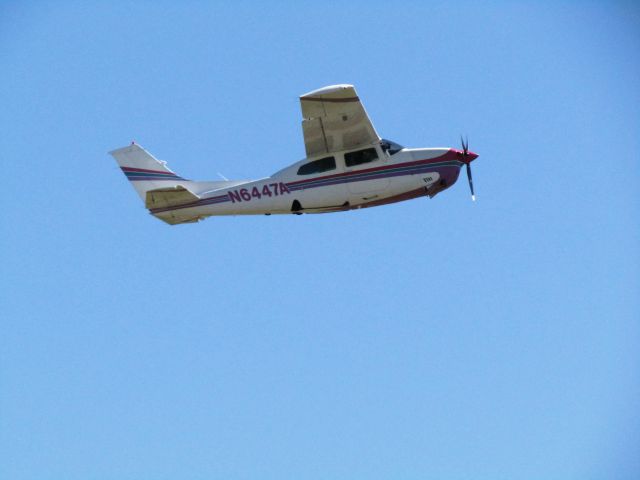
(434, 338)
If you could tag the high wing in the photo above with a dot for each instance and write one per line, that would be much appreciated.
(334, 119)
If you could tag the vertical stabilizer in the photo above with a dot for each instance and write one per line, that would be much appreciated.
(144, 171)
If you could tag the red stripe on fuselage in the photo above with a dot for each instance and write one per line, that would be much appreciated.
(447, 156)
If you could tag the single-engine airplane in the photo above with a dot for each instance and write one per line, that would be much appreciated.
(348, 166)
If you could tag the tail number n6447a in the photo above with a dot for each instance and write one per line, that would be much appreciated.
(268, 190)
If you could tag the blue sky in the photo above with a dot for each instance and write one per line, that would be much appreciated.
(428, 339)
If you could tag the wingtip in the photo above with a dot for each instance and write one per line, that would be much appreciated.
(328, 89)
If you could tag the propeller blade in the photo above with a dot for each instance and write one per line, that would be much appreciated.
(473, 196)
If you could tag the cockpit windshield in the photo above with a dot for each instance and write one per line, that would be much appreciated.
(391, 147)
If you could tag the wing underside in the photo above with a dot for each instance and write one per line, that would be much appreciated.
(334, 119)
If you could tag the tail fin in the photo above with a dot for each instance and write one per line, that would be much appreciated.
(160, 188)
(144, 171)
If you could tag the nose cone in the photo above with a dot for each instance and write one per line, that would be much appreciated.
(470, 157)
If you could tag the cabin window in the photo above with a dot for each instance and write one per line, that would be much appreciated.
(359, 157)
(318, 166)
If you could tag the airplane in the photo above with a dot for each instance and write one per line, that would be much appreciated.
(348, 166)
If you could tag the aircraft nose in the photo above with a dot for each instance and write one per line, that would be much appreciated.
(470, 156)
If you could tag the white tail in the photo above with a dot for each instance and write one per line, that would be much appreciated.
(159, 187)
(144, 171)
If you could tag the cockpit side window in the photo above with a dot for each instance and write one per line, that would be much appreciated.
(318, 166)
(391, 147)
(359, 157)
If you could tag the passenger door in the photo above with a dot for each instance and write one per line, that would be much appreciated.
(366, 178)
(316, 182)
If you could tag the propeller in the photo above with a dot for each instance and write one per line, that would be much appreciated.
(465, 153)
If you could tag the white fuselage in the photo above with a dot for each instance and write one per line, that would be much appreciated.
(383, 180)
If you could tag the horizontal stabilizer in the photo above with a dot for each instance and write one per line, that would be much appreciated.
(173, 219)
(161, 201)
(169, 197)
